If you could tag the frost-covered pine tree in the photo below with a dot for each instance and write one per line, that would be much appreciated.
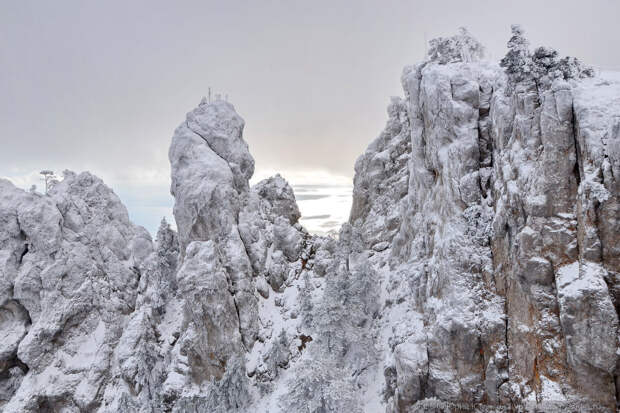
(167, 245)
(517, 61)
(541, 66)
(306, 306)
(231, 391)
(161, 281)
(544, 63)
(573, 68)
(276, 358)
(470, 48)
(321, 387)
(326, 379)
(228, 395)
(332, 318)
(139, 361)
(462, 47)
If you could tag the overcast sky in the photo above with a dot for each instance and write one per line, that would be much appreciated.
(101, 86)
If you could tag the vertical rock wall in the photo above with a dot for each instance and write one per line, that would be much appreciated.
(479, 271)
(507, 239)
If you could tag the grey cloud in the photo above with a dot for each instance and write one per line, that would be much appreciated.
(330, 224)
(312, 217)
(304, 197)
(102, 85)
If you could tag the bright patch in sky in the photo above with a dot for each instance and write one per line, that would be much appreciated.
(324, 208)
(324, 199)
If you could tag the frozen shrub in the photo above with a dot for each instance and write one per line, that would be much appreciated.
(462, 47)
(229, 394)
(572, 68)
(544, 61)
(321, 388)
(277, 358)
(517, 61)
(167, 245)
(541, 66)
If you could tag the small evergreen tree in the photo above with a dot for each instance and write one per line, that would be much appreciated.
(342, 347)
(542, 66)
(321, 387)
(517, 61)
(572, 68)
(229, 394)
(49, 178)
(167, 252)
(544, 61)
(167, 244)
(462, 47)
(276, 358)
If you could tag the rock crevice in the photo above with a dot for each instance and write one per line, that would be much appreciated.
(479, 269)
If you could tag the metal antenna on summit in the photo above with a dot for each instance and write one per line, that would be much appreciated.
(209, 95)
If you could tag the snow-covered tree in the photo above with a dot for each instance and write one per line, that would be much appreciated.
(572, 68)
(229, 394)
(49, 178)
(167, 245)
(342, 347)
(139, 358)
(332, 318)
(541, 66)
(158, 281)
(231, 391)
(544, 61)
(321, 387)
(462, 47)
(306, 306)
(517, 61)
(276, 358)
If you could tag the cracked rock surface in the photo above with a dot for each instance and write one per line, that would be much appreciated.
(479, 269)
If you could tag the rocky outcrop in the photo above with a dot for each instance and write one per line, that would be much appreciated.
(381, 180)
(500, 249)
(479, 270)
(211, 166)
(536, 234)
(72, 262)
(444, 240)
(95, 316)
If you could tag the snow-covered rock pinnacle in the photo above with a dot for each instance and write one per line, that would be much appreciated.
(211, 167)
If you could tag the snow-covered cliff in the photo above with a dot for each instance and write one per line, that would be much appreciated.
(479, 270)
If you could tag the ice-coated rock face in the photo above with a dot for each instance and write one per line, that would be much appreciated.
(479, 269)
(444, 241)
(277, 199)
(506, 189)
(95, 316)
(252, 229)
(381, 179)
(211, 167)
(273, 239)
(71, 265)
